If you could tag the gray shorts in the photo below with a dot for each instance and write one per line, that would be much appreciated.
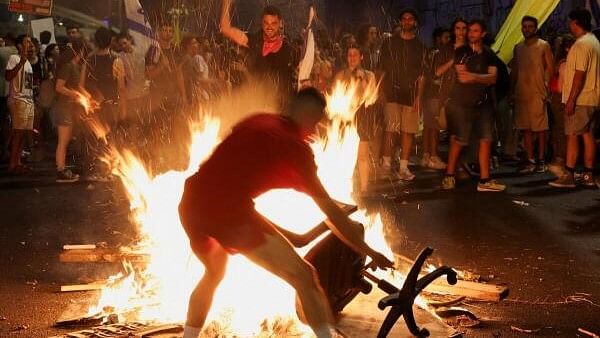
(401, 118)
(465, 120)
(581, 122)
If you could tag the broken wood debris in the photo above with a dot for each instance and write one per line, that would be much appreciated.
(586, 332)
(84, 287)
(101, 255)
(133, 329)
(469, 289)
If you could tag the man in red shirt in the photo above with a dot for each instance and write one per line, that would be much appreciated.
(262, 153)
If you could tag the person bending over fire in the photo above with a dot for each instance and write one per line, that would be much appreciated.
(218, 215)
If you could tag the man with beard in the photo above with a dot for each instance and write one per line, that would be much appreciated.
(469, 109)
(532, 68)
(402, 61)
(271, 57)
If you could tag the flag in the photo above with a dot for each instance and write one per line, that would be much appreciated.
(139, 27)
(306, 64)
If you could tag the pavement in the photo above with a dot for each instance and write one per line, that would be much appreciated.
(543, 243)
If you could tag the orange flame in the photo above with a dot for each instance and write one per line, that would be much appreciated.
(161, 290)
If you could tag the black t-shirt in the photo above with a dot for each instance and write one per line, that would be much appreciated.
(403, 62)
(278, 67)
(472, 94)
(100, 76)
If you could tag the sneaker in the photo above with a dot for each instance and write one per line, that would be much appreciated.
(436, 163)
(578, 177)
(565, 181)
(491, 185)
(425, 160)
(527, 168)
(462, 174)
(598, 182)
(557, 169)
(405, 174)
(448, 183)
(66, 176)
(540, 167)
(587, 180)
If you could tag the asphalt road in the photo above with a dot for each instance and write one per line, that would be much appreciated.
(547, 251)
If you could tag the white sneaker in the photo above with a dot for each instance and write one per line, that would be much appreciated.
(436, 163)
(425, 160)
(405, 174)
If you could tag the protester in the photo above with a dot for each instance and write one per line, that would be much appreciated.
(469, 109)
(531, 71)
(217, 208)
(271, 57)
(19, 75)
(432, 105)
(367, 119)
(5, 130)
(69, 87)
(581, 96)
(402, 61)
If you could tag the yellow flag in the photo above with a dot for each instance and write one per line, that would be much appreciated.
(510, 33)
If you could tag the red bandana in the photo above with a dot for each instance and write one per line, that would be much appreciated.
(272, 46)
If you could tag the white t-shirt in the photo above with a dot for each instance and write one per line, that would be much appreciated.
(21, 86)
(584, 56)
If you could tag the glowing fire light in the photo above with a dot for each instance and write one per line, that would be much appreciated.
(160, 292)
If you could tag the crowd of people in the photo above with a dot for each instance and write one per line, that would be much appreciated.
(535, 111)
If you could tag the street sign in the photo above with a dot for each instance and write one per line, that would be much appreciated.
(36, 7)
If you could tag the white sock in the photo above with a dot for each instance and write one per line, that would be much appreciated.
(387, 161)
(324, 331)
(403, 164)
(191, 332)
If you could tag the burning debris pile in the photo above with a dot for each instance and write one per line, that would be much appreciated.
(161, 271)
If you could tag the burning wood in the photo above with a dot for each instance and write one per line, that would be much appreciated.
(91, 253)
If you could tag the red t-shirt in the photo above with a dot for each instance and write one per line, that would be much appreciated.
(263, 152)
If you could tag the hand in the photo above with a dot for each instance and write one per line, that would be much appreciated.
(464, 76)
(570, 108)
(380, 261)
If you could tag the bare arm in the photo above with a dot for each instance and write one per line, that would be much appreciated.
(548, 63)
(345, 230)
(119, 74)
(12, 73)
(444, 68)
(488, 79)
(63, 90)
(578, 81)
(232, 33)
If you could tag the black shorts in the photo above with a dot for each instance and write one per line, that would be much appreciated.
(465, 120)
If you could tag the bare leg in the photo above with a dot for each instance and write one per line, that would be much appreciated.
(541, 145)
(435, 140)
(278, 257)
(589, 150)
(407, 140)
(388, 144)
(528, 143)
(64, 137)
(364, 165)
(453, 155)
(16, 147)
(215, 262)
(427, 141)
(572, 150)
(485, 147)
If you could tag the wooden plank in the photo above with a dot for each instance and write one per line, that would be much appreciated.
(79, 246)
(83, 287)
(488, 292)
(100, 255)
